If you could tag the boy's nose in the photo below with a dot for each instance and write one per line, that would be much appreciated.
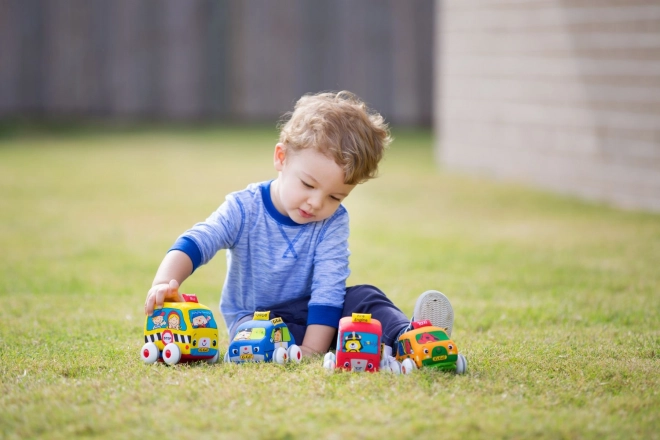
(315, 202)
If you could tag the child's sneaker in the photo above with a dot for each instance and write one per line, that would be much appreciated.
(435, 307)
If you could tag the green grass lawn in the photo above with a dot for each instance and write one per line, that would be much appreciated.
(556, 300)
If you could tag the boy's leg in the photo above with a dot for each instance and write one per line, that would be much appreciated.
(369, 299)
(293, 313)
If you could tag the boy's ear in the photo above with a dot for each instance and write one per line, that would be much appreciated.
(279, 156)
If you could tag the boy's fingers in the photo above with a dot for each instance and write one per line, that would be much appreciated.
(174, 291)
(160, 297)
(149, 304)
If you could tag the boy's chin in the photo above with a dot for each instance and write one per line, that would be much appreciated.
(301, 221)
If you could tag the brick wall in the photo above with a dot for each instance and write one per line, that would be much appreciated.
(561, 94)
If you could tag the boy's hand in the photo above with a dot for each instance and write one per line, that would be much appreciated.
(160, 293)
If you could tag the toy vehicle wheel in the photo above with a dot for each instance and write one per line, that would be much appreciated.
(294, 352)
(149, 353)
(171, 354)
(280, 355)
(395, 366)
(215, 358)
(226, 359)
(329, 361)
(408, 366)
(461, 364)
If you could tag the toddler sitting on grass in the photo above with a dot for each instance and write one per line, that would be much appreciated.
(287, 238)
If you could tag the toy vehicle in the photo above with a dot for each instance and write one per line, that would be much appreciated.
(263, 340)
(358, 344)
(428, 346)
(180, 332)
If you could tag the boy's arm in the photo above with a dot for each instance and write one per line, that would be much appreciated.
(195, 247)
(328, 285)
(317, 339)
(173, 270)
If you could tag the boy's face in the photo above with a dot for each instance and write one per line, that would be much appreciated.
(310, 185)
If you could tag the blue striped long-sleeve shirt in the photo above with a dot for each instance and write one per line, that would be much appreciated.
(270, 258)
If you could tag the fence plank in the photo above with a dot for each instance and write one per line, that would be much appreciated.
(210, 59)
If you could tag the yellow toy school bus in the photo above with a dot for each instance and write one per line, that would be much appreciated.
(180, 332)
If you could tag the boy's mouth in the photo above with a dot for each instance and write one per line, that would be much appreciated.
(305, 214)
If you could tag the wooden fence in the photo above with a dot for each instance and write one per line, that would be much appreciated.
(212, 59)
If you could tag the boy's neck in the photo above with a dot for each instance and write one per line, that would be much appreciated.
(267, 195)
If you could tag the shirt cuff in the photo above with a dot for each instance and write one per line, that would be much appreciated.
(190, 248)
(324, 315)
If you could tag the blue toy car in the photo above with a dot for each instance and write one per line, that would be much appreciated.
(263, 340)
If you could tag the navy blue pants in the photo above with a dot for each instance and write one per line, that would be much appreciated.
(359, 299)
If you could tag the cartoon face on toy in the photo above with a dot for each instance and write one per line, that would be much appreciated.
(202, 343)
(240, 351)
(199, 321)
(359, 365)
(243, 335)
(173, 321)
(246, 353)
(427, 337)
(352, 342)
(158, 321)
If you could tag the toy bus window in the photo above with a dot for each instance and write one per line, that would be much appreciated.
(352, 342)
(201, 318)
(400, 348)
(433, 336)
(258, 334)
(166, 318)
(280, 334)
(407, 348)
(252, 334)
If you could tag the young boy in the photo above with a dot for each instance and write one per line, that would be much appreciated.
(287, 239)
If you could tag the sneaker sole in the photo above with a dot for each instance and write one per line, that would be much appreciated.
(435, 307)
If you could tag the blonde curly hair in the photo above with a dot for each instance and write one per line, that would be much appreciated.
(341, 126)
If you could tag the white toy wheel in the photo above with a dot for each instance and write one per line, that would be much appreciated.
(408, 366)
(280, 355)
(461, 364)
(171, 354)
(294, 352)
(215, 358)
(226, 358)
(329, 361)
(390, 365)
(395, 366)
(149, 353)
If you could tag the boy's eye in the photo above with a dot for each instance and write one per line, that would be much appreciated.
(307, 185)
(335, 198)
